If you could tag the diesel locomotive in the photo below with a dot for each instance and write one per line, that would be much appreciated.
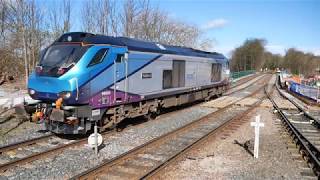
(84, 78)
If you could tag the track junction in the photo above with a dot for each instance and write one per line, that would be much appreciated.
(149, 159)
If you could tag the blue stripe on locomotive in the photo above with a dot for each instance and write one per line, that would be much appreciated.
(90, 80)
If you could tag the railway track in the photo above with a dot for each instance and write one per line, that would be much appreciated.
(244, 80)
(304, 130)
(3, 115)
(46, 146)
(33, 149)
(42, 147)
(28, 142)
(311, 109)
(242, 84)
(149, 159)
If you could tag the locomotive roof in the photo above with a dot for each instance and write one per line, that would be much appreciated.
(138, 45)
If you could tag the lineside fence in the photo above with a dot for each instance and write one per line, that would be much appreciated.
(239, 74)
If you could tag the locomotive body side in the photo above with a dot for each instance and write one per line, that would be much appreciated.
(152, 80)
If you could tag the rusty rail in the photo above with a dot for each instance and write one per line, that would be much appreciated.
(93, 173)
(306, 147)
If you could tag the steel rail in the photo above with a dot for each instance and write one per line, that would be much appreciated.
(228, 93)
(244, 80)
(304, 143)
(35, 156)
(2, 112)
(91, 173)
(297, 105)
(24, 143)
(4, 167)
(157, 170)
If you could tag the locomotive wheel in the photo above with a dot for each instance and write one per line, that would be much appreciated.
(153, 113)
(107, 123)
(151, 116)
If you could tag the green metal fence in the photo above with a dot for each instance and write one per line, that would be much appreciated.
(236, 75)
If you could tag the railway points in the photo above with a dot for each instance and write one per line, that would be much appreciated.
(161, 165)
(174, 143)
(239, 100)
(140, 89)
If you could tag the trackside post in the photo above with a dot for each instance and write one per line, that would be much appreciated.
(256, 126)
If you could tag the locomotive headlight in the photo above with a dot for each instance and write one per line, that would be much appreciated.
(32, 92)
(65, 94)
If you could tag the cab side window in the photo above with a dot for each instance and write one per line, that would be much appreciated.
(98, 57)
(119, 58)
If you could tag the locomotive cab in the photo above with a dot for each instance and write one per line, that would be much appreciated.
(62, 81)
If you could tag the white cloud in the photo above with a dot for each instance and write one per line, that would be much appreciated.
(225, 50)
(276, 49)
(317, 52)
(215, 23)
(280, 49)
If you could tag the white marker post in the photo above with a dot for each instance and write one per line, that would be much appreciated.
(257, 126)
(318, 85)
(96, 138)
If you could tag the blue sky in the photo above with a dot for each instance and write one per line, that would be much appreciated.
(283, 24)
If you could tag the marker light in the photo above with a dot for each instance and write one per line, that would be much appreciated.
(65, 94)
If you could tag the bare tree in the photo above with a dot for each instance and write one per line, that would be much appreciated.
(26, 27)
(100, 16)
(141, 20)
(103, 11)
(66, 16)
(21, 31)
(3, 17)
(206, 44)
(36, 32)
(89, 17)
(22, 21)
(60, 18)
(114, 19)
(131, 11)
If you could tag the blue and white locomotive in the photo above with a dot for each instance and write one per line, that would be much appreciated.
(84, 78)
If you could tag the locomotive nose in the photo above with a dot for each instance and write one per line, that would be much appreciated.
(48, 88)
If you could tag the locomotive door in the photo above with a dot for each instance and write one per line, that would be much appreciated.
(120, 78)
(216, 72)
(178, 73)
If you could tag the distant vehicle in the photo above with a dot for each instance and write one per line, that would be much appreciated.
(84, 78)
